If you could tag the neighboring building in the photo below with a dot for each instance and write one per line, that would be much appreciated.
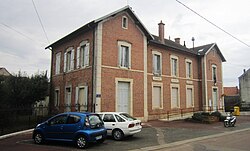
(4, 72)
(244, 85)
(231, 98)
(114, 64)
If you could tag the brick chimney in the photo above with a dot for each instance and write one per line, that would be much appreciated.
(161, 32)
(177, 40)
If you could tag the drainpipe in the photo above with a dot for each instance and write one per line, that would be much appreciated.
(93, 71)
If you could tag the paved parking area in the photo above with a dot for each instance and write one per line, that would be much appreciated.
(153, 133)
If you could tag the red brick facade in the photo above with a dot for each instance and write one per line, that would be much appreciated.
(104, 76)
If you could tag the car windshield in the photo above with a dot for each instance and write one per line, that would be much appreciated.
(95, 121)
(127, 116)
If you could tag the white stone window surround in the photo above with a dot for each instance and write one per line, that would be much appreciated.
(121, 55)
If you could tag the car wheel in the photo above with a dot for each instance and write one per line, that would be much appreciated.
(117, 134)
(38, 138)
(81, 142)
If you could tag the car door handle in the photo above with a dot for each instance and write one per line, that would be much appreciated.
(113, 124)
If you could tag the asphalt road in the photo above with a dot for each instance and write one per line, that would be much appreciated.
(156, 135)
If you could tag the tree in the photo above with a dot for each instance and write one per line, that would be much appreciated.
(23, 90)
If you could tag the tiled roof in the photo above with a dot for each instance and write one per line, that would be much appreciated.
(171, 44)
(231, 91)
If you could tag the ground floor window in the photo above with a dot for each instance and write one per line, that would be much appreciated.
(175, 101)
(157, 97)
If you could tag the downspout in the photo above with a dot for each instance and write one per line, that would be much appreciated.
(93, 70)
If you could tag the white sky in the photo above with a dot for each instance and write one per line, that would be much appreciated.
(22, 40)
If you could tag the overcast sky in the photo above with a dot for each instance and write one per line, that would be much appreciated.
(22, 40)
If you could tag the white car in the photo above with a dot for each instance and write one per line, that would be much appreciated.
(120, 124)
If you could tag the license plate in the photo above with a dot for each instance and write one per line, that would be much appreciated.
(98, 137)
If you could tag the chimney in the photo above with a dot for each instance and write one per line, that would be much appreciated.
(177, 40)
(161, 32)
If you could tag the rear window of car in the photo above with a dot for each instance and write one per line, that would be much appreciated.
(127, 116)
(95, 121)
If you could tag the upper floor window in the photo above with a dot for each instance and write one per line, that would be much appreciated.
(214, 73)
(83, 55)
(69, 59)
(124, 54)
(174, 66)
(157, 63)
(188, 69)
(58, 62)
(125, 22)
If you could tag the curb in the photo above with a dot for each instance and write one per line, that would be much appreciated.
(14, 134)
(150, 148)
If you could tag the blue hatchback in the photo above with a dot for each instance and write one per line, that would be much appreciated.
(77, 127)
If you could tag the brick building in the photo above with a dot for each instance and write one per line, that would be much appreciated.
(114, 64)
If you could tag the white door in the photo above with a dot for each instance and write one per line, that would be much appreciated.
(215, 101)
(123, 102)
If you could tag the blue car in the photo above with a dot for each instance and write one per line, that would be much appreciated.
(77, 127)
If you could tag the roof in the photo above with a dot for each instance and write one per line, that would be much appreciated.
(203, 50)
(231, 91)
(245, 73)
(171, 44)
(93, 23)
(4, 72)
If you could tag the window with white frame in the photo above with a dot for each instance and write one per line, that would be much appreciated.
(67, 96)
(157, 64)
(69, 59)
(81, 99)
(157, 97)
(58, 62)
(57, 98)
(174, 66)
(189, 97)
(124, 54)
(214, 73)
(175, 101)
(83, 55)
(124, 22)
(189, 69)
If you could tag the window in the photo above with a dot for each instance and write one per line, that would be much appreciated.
(156, 101)
(81, 98)
(57, 98)
(124, 22)
(189, 95)
(83, 55)
(108, 118)
(94, 121)
(69, 59)
(58, 61)
(175, 97)
(214, 73)
(189, 69)
(119, 119)
(157, 64)
(124, 54)
(68, 96)
(72, 119)
(58, 120)
(174, 66)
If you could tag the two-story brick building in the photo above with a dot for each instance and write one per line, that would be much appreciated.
(114, 64)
